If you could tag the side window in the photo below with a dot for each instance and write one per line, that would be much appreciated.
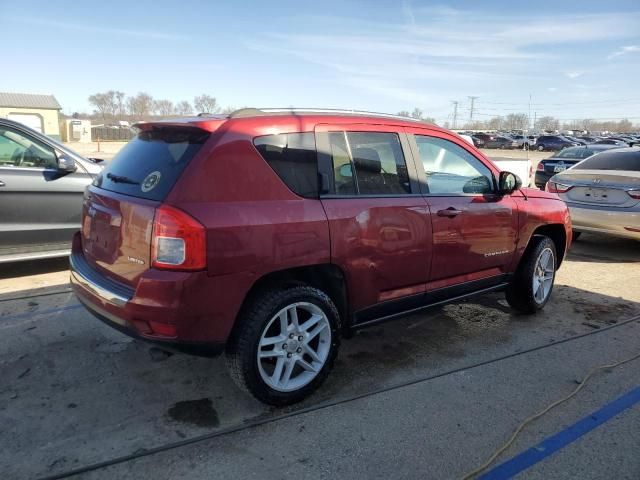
(450, 169)
(293, 157)
(368, 163)
(18, 150)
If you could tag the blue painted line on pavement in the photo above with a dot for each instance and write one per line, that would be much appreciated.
(40, 312)
(561, 439)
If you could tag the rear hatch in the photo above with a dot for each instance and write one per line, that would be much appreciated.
(120, 205)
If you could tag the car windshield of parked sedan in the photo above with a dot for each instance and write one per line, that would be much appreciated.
(575, 153)
(626, 161)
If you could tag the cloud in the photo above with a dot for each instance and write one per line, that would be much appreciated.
(432, 54)
(624, 51)
(96, 29)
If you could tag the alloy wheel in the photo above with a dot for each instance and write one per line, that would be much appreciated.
(294, 346)
(543, 274)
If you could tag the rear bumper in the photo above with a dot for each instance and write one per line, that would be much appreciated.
(174, 309)
(605, 220)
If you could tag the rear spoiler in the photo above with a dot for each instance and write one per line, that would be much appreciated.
(206, 124)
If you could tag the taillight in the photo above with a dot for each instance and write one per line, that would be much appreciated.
(178, 241)
(540, 167)
(634, 194)
(555, 187)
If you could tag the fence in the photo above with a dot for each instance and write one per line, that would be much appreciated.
(105, 134)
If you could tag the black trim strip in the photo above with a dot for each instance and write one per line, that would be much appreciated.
(391, 309)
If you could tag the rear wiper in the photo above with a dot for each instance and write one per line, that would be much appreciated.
(121, 179)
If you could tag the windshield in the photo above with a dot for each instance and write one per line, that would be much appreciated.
(612, 160)
(150, 164)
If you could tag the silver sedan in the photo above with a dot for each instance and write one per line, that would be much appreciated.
(603, 193)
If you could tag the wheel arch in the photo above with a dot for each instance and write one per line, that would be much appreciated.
(557, 234)
(327, 277)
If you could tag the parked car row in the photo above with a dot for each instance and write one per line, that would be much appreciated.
(547, 142)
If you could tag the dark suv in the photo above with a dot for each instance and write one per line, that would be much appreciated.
(553, 142)
(269, 234)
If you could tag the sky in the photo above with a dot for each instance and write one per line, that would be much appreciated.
(567, 59)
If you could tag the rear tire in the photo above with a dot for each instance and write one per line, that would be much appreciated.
(273, 356)
(541, 148)
(532, 283)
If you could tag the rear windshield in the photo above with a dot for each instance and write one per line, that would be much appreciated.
(576, 153)
(612, 160)
(150, 164)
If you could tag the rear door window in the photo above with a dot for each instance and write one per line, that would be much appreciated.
(293, 157)
(150, 164)
(368, 163)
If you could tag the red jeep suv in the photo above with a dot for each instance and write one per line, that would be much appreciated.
(268, 234)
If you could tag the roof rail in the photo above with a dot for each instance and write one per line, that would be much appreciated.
(252, 112)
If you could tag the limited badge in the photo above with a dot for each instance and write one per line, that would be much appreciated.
(150, 181)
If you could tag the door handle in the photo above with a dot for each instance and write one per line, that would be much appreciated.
(2, 184)
(449, 212)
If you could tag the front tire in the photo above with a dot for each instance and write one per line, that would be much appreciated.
(285, 344)
(533, 281)
(541, 148)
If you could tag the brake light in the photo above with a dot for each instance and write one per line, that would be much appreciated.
(634, 194)
(540, 167)
(555, 187)
(178, 241)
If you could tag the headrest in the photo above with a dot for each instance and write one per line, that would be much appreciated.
(366, 159)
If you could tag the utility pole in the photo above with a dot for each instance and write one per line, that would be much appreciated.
(473, 99)
(529, 111)
(455, 113)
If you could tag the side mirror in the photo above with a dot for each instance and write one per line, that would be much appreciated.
(66, 163)
(508, 183)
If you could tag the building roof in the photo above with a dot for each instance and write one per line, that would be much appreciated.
(28, 100)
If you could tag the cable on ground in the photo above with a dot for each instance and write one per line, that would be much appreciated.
(503, 448)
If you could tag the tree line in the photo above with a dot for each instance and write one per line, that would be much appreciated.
(114, 105)
(520, 121)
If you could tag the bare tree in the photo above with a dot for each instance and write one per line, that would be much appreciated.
(495, 123)
(164, 108)
(120, 105)
(517, 121)
(184, 108)
(140, 106)
(105, 104)
(548, 123)
(205, 104)
(417, 113)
